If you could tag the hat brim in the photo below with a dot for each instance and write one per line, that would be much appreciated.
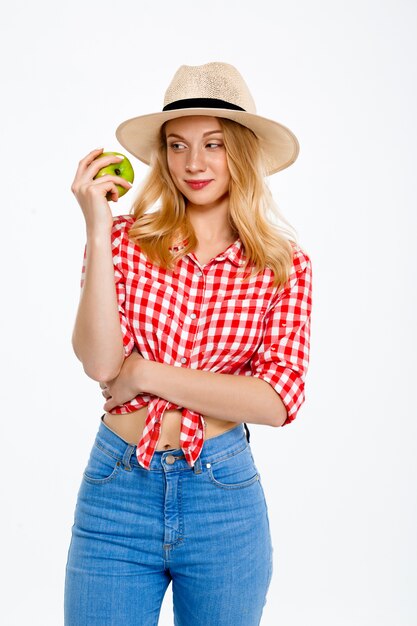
(140, 135)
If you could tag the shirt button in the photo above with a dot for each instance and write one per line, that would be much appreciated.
(184, 359)
(193, 316)
(199, 273)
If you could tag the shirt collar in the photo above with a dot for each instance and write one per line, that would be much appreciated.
(234, 253)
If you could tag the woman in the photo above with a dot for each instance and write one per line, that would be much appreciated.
(195, 319)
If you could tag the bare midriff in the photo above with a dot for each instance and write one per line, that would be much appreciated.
(129, 427)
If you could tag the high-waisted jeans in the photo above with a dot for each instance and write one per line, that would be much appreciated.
(205, 528)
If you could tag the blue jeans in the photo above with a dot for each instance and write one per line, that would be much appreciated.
(205, 529)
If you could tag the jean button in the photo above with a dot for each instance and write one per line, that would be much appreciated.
(170, 459)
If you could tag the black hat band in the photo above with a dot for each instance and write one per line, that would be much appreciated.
(201, 103)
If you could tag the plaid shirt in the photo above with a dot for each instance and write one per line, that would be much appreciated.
(206, 318)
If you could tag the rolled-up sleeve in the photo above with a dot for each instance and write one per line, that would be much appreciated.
(119, 281)
(283, 355)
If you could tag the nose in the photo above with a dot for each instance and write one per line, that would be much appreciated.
(196, 161)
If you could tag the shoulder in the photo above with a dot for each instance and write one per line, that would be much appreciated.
(122, 224)
(301, 259)
(123, 249)
(120, 230)
(300, 276)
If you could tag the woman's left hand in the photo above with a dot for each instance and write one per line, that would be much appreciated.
(126, 385)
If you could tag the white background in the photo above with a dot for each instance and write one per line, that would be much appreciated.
(341, 480)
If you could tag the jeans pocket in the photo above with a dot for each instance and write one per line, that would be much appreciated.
(235, 471)
(102, 467)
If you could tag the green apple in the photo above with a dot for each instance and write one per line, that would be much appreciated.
(121, 168)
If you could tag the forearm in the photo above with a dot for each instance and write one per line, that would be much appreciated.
(97, 337)
(223, 396)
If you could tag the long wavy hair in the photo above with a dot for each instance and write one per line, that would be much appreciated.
(251, 208)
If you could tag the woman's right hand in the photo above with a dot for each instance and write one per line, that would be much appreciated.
(91, 194)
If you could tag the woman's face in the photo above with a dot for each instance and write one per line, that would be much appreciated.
(197, 159)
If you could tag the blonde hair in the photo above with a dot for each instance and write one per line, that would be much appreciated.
(250, 201)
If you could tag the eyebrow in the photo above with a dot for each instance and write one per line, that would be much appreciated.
(209, 132)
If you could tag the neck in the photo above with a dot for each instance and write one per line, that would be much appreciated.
(211, 222)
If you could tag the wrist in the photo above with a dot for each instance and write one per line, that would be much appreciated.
(143, 374)
(98, 235)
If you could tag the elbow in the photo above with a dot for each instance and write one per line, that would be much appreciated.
(274, 410)
(279, 413)
(279, 418)
(99, 372)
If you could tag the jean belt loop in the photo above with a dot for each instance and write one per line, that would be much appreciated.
(197, 466)
(247, 432)
(130, 450)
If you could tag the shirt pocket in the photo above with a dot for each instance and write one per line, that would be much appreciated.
(239, 327)
(240, 305)
(149, 306)
(236, 313)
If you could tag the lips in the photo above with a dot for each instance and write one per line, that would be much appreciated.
(198, 184)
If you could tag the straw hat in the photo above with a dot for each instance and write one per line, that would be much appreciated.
(217, 90)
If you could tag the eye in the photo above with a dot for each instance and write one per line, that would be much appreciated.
(176, 145)
(213, 145)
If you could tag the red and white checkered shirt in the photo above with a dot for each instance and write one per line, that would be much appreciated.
(206, 318)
